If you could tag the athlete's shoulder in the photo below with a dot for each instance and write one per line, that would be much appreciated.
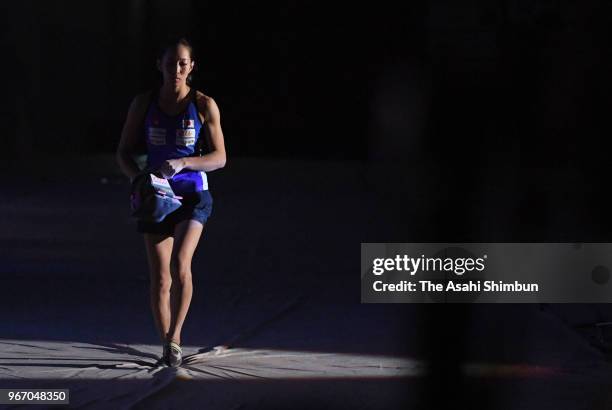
(139, 106)
(203, 99)
(143, 99)
(206, 104)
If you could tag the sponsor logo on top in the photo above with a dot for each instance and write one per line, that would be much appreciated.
(185, 137)
(157, 136)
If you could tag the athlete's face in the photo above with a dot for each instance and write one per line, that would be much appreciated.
(176, 65)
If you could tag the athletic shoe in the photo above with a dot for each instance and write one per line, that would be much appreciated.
(175, 354)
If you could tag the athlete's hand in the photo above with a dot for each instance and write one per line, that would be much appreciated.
(172, 167)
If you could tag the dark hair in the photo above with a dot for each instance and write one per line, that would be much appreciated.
(172, 43)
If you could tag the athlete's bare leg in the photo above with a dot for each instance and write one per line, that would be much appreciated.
(159, 252)
(186, 237)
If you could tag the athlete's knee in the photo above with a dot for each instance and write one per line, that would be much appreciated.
(181, 270)
(162, 281)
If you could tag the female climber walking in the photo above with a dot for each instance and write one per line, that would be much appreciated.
(170, 118)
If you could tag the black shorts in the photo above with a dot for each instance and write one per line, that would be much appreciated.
(195, 205)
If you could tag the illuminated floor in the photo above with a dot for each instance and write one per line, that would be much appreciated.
(74, 360)
(103, 375)
(126, 376)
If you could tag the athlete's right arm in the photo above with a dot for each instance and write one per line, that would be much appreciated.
(132, 131)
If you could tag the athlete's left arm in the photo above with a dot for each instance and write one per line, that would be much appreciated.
(214, 159)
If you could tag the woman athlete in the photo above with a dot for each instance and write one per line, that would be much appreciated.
(171, 118)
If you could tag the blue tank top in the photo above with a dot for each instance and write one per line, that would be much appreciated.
(171, 137)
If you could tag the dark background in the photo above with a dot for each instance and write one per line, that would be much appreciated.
(524, 82)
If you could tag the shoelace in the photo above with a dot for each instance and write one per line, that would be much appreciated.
(176, 347)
